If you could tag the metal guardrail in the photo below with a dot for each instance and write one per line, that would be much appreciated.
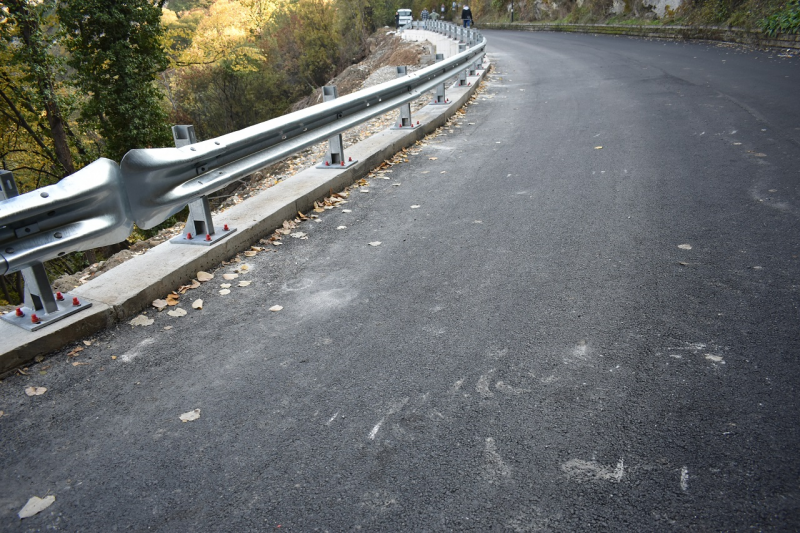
(98, 205)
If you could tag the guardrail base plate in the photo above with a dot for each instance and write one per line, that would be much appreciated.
(202, 240)
(65, 309)
(339, 166)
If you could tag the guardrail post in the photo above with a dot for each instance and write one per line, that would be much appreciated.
(439, 98)
(462, 76)
(335, 157)
(404, 120)
(199, 228)
(40, 306)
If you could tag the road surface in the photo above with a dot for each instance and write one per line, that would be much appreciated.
(582, 316)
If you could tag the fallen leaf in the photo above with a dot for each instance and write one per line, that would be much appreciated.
(425, 172)
(257, 248)
(75, 351)
(230, 276)
(197, 304)
(683, 264)
(341, 227)
(242, 269)
(79, 363)
(415, 207)
(365, 191)
(276, 308)
(443, 172)
(223, 292)
(299, 235)
(250, 253)
(191, 415)
(114, 357)
(167, 328)
(160, 304)
(141, 320)
(598, 147)
(244, 283)
(375, 243)
(204, 276)
(177, 312)
(172, 299)
(35, 506)
(35, 391)
(685, 246)
(193, 285)
(87, 343)
(276, 243)
(346, 211)
(225, 285)
(433, 158)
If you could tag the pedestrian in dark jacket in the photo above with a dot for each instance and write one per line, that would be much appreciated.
(466, 16)
(397, 20)
(424, 16)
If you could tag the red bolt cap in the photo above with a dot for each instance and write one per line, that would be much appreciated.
(35, 319)
(226, 228)
(59, 296)
(19, 312)
(342, 163)
(76, 302)
(189, 236)
(327, 164)
(208, 237)
(418, 123)
(349, 158)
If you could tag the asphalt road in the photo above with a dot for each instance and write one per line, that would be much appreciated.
(589, 323)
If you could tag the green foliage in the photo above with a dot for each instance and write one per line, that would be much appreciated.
(785, 20)
(116, 51)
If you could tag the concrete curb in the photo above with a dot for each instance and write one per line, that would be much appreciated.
(681, 33)
(132, 286)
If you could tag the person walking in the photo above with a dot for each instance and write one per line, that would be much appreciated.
(466, 16)
(424, 16)
(396, 20)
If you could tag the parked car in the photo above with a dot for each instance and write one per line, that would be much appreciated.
(405, 16)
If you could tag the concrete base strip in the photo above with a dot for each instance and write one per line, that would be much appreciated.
(132, 286)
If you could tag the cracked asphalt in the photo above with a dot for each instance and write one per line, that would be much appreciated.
(588, 323)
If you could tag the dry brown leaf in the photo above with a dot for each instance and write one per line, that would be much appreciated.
(87, 343)
(244, 283)
(35, 391)
(75, 351)
(172, 299)
(224, 292)
(141, 320)
(191, 415)
(35, 506)
(257, 248)
(78, 363)
(177, 312)
(276, 308)
(197, 304)
(160, 304)
(230, 276)
(433, 158)
(250, 253)
(204, 276)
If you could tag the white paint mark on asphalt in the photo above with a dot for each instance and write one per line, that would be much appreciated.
(375, 430)
(714, 358)
(676, 356)
(129, 356)
(508, 389)
(483, 385)
(684, 479)
(495, 468)
(581, 471)
(328, 423)
(457, 385)
(396, 406)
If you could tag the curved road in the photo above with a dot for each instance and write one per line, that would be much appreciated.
(589, 323)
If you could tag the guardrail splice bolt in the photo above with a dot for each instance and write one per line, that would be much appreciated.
(59, 297)
(226, 228)
(208, 236)
(342, 163)
(418, 123)
(19, 312)
(76, 302)
(35, 319)
(349, 158)
(189, 236)
(327, 164)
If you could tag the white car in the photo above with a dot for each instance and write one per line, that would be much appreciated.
(405, 16)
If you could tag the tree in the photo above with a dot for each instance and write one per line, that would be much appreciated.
(117, 53)
(31, 98)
